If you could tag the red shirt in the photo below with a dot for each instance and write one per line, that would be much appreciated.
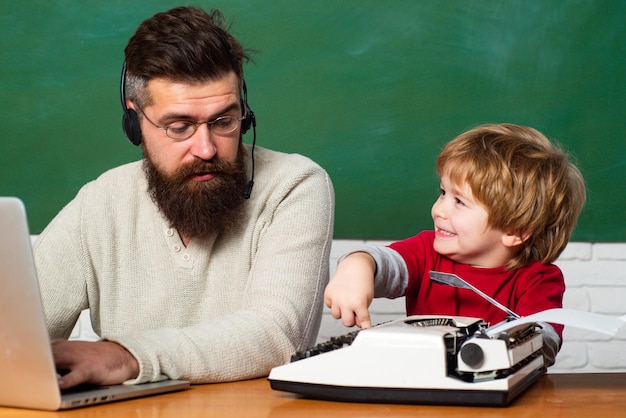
(526, 290)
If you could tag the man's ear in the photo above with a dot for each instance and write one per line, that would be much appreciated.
(513, 240)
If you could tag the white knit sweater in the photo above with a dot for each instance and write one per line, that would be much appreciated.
(226, 308)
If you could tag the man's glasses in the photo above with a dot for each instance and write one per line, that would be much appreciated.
(184, 129)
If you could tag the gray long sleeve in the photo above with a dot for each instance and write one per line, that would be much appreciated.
(392, 277)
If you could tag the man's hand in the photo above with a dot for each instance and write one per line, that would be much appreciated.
(99, 363)
(351, 290)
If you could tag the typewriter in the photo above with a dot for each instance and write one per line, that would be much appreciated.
(450, 360)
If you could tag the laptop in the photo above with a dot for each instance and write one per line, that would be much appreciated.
(29, 376)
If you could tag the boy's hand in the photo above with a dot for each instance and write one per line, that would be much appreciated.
(351, 290)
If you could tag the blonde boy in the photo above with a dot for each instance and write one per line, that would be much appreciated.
(508, 202)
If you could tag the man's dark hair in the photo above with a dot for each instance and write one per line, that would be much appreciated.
(184, 44)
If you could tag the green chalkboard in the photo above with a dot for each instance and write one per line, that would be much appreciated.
(369, 89)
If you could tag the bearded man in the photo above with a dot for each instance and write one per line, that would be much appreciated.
(206, 261)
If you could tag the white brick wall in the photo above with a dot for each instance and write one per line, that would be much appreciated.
(595, 276)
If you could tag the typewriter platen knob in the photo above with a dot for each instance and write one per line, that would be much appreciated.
(472, 354)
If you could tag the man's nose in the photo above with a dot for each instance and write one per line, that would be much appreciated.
(202, 144)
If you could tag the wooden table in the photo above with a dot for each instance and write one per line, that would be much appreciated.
(559, 395)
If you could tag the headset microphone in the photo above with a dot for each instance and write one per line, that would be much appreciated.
(250, 120)
(248, 190)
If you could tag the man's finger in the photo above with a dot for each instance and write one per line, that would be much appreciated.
(71, 379)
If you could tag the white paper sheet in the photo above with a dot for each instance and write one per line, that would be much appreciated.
(570, 317)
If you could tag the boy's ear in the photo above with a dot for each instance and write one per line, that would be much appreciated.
(510, 239)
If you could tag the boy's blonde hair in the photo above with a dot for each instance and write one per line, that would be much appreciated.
(528, 186)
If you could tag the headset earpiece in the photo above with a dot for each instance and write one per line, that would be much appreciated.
(130, 120)
(131, 127)
(249, 120)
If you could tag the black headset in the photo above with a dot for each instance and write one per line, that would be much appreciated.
(132, 128)
(130, 120)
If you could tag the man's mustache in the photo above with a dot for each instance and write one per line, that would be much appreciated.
(216, 165)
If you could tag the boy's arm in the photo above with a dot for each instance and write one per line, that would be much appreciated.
(551, 343)
(392, 275)
(351, 290)
(361, 275)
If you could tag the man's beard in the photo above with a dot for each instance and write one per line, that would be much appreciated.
(199, 209)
